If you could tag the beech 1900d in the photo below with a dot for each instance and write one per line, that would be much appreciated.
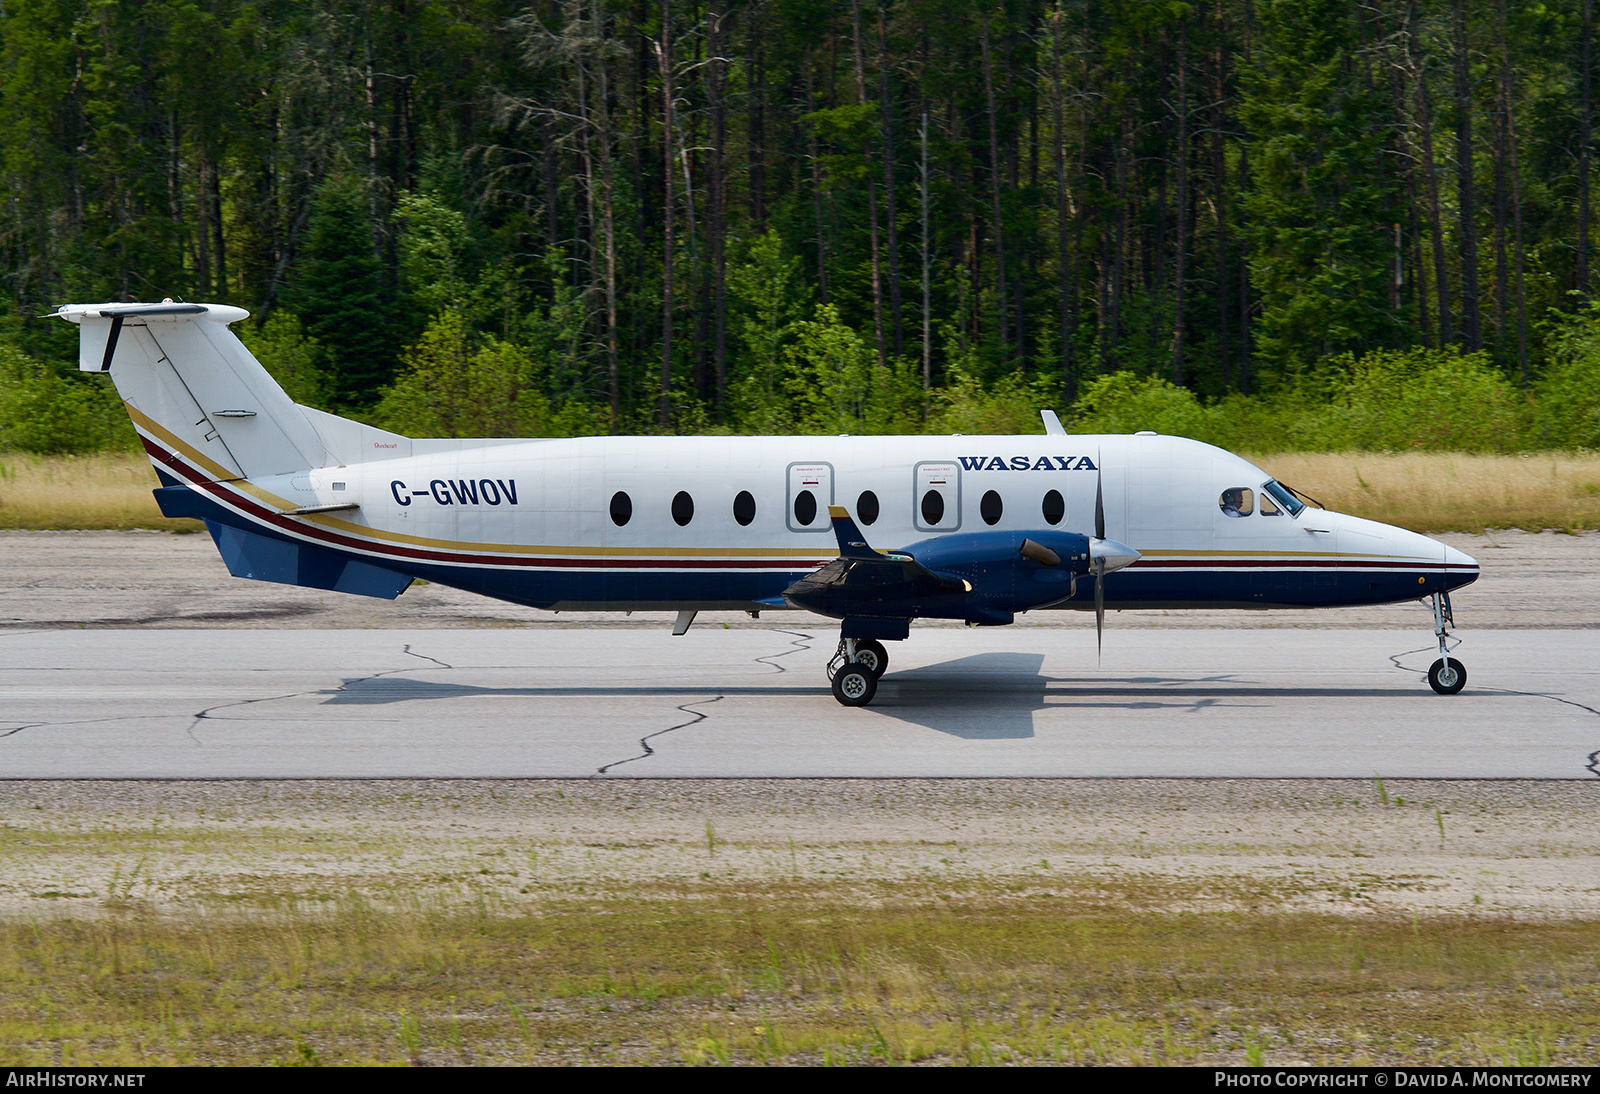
(872, 531)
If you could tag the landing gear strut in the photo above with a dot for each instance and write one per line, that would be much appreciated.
(854, 670)
(1447, 676)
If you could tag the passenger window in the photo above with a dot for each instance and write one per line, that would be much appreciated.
(1268, 508)
(805, 507)
(682, 508)
(744, 507)
(1054, 507)
(867, 507)
(621, 508)
(932, 507)
(1239, 501)
(991, 507)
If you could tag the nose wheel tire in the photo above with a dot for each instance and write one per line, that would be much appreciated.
(1447, 676)
(873, 656)
(855, 684)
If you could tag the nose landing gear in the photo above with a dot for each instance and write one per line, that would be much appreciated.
(1447, 675)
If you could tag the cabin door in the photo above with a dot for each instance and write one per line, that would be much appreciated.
(936, 499)
(810, 494)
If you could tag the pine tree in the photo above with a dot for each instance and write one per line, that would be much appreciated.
(337, 290)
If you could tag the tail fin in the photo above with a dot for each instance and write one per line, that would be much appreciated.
(194, 392)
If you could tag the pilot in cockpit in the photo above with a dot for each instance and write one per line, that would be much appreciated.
(1236, 501)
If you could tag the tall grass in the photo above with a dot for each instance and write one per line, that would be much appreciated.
(1424, 491)
(107, 490)
(1450, 492)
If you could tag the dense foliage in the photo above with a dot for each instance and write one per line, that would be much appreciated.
(1270, 223)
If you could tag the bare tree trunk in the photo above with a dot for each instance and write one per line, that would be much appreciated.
(1244, 277)
(994, 189)
(202, 207)
(552, 193)
(1502, 107)
(816, 187)
(1066, 290)
(1119, 269)
(872, 193)
(1585, 136)
(1441, 273)
(716, 215)
(1471, 332)
(927, 311)
(219, 248)
(668, 129)
(892, 226)
(1219, 178)
(1180, 268)
(1516, 190)
(608, 217)
(372, 137)
(757, 132)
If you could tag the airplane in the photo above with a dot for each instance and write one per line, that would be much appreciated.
(985, 527)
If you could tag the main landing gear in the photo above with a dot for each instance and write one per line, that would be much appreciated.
(855, 668)
(1447, 676)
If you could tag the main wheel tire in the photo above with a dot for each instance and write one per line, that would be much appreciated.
(1447, 676)
(854, 685)
(874, 656)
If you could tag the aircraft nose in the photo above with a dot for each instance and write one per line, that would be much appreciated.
(1463, 567)
(1453, 557)
(1115, 555)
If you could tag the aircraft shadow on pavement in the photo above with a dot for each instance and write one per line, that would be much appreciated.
(994, 696)
(985, 697)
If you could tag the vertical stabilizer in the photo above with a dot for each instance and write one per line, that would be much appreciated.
(194, 391)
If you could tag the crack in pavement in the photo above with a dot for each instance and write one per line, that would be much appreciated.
(644, 742)
(85, 722)
(346, 685)
(1593, 766)
(407, 649)
(767, 659)
(803, 644)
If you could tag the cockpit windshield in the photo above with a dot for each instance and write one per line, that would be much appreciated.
(1284, 496)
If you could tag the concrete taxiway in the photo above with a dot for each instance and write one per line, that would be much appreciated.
(618, 703)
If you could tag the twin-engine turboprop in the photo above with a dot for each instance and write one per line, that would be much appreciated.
(988, 526)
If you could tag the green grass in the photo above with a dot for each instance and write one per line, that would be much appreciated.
(995, 970)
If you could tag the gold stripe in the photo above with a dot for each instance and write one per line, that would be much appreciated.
(221, 474)
(1264, 554)
(336, 524)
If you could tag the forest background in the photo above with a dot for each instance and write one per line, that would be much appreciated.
(1275, 225)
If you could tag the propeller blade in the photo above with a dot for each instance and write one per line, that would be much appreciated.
(1099, 607)
(1099, 564)
(1099, 506)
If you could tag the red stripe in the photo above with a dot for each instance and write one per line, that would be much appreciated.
(1292, 564)
(313, 532)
